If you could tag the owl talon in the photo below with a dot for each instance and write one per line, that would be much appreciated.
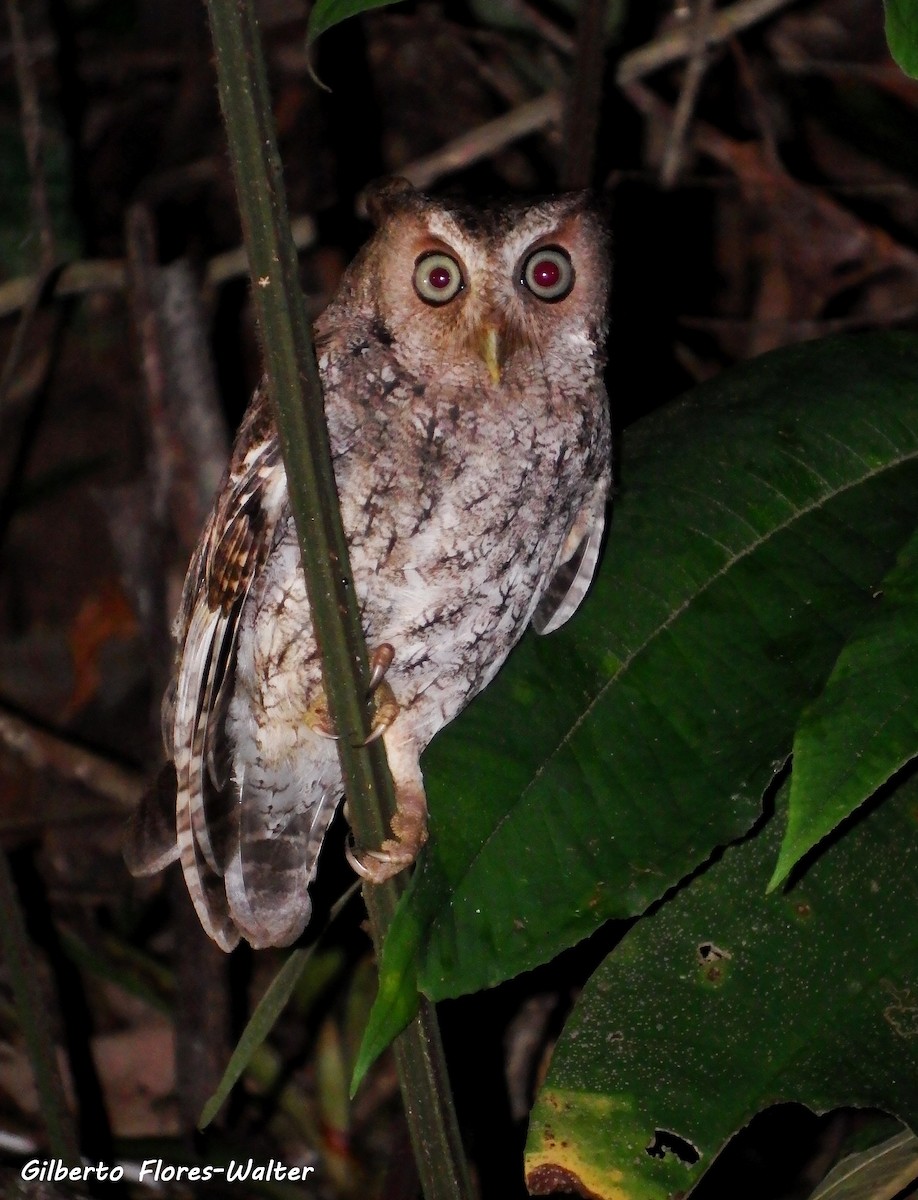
(376, 866)
(409, 830)
(378, 731)
(385, 709)
(381, 866)
(351, 855)
(380, 662)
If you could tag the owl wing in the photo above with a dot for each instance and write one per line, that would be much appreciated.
(233, 548)
(573, 569)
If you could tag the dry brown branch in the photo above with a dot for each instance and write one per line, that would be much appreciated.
(484, 141)
(678, 43)
(77, 279)
(536, 115)
(43, 750)
(688, 94)
(187, 453)
(584, 100)
(809, 248)
(110, 274)
(189, 445)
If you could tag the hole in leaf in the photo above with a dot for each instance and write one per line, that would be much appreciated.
(664, 1142)
(708, 952)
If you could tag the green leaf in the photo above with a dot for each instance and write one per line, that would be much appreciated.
(880, 1173)
(864, 726)
(260, 1024)
(275, 999)
(327, 13)
(725, 1001)
(608, 760)
(902, 33)
(397, 998)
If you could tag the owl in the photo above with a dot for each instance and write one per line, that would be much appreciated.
(462, 368)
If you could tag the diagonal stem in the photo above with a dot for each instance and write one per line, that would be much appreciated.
(32, 1010)
(294, 386)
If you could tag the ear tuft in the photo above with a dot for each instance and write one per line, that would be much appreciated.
(384, 196)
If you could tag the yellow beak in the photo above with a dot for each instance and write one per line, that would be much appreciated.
(489, 349)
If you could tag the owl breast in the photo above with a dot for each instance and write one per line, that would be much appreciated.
(456, 503)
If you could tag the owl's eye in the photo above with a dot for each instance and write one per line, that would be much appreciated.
(437, 278)
(548, 273)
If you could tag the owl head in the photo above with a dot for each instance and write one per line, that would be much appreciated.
(485, 295)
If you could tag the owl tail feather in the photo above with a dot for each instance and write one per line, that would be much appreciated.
(209, 641)
(277, 854)
(204, 886)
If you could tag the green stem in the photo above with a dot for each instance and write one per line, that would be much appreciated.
(296, 394)
(31, 1008)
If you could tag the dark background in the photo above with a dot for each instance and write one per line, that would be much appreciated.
(790, 214)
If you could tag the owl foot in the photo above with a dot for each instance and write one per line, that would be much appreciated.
(385, 706)
(409, 829)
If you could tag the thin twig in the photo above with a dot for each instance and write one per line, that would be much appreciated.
(688, 95)
(546, 29)
(677, 43)
(803, 328)
(44, 750)
(759, 106)
(76, 279)
(485, 140)
(33, 291)
(545, 110)
(9, 489)
(110, 274)
(32, 134)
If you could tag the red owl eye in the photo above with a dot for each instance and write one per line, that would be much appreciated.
(548, 273)
(437, 278)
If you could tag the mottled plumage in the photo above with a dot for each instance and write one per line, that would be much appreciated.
(462, 367)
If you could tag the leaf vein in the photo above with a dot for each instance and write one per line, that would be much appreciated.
(629, 659)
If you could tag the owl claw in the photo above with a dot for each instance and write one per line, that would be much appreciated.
(409, 829)
(376, 866)
(380, 662)
(378, 731)
(385, 709)
(351, 855)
